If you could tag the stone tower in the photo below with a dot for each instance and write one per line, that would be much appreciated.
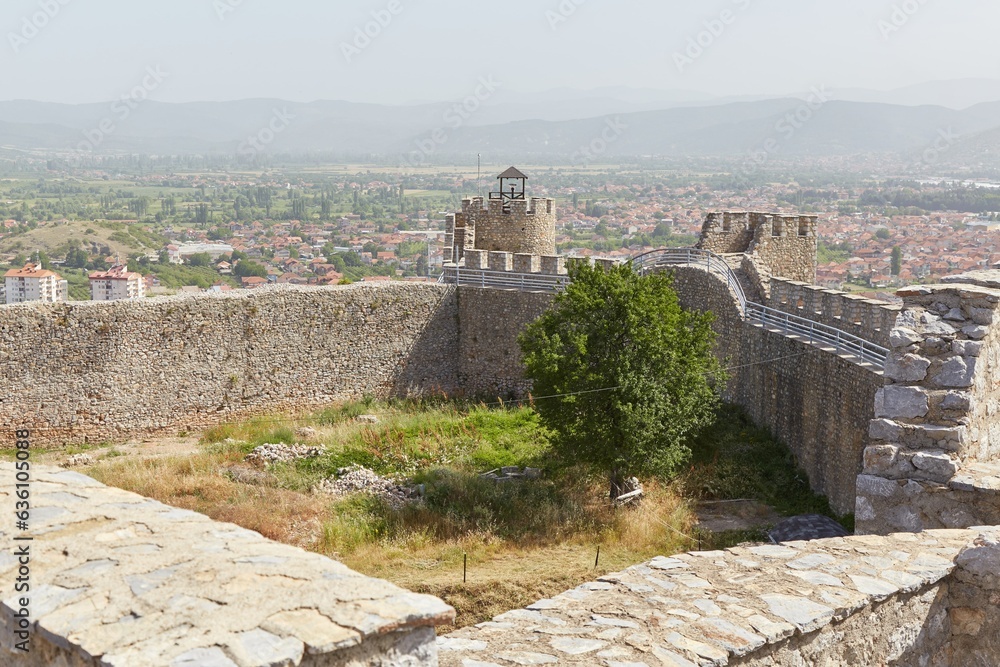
(508, 221)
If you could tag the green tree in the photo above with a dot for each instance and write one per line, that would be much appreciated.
(247, 268)
(635, 374)
(199, 259)
(897, 260)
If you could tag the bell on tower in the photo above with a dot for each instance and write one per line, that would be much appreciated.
(512, 186)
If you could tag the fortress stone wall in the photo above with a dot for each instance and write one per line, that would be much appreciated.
(523, 226)
(785, 244)
(935, 436)
(818, 403)
(109, 371)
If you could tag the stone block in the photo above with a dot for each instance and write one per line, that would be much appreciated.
(956, 372)
(525, 263)
(904, 337)
(938, 465)
(967, 348)
(880, 459)
(477, 260)
(884, 429)
(553, 265)
(906, 368)
(899, 402)
(501, 261)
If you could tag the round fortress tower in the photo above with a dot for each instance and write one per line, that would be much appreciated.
(508, 221)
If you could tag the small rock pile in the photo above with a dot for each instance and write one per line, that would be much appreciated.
(358, 479)
(265, 455)
(512, 474)
(79, 460)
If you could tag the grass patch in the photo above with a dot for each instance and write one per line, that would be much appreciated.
(524, 540)
(734, 459)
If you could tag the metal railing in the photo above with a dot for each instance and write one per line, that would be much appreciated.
(697, 258)
(807, 331)
(818, 334)
(526, 282)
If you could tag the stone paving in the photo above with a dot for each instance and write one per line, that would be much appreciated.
(710, 608)
(124, 581)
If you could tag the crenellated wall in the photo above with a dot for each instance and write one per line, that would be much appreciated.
(869, 319)
(786, 244)
(524, 226)
(816, 402)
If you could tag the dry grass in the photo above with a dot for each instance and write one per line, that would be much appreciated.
(523, 541)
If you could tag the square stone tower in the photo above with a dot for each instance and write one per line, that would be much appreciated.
(508, 221)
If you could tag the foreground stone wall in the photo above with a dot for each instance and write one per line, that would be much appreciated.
(903, 600)
(108, 371)
(818, 403)
(118, 580)
(935, 438)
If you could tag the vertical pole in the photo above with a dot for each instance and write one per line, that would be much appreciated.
(465, 567)
(598, 559)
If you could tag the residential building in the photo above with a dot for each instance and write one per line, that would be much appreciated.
(33, 283)
(116, 284)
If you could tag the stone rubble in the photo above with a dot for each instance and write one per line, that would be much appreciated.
(78, 460)
(358, 479)
(268, 454)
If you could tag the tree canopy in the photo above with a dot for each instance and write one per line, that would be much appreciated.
(634, 374)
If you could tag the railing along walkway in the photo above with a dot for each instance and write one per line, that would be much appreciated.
(825, 337)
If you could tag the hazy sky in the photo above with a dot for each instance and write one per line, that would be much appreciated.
(431, 50)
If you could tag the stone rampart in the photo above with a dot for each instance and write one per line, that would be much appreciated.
(868, 319)
(109, 371)
(935, 436)
(785, 244)
(818, 403)
(524, 226)
(117, 580)
(490, 322)
(903, 600)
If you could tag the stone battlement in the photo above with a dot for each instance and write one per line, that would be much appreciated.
(521, 226)
(869, 319)
(785, 244)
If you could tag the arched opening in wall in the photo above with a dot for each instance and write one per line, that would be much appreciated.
(777, 227)
(803, 227)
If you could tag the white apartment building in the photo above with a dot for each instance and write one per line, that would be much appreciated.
(116, 283)
(33, 283)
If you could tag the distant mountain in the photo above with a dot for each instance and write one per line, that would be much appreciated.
(434, 130)
(956, 94)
